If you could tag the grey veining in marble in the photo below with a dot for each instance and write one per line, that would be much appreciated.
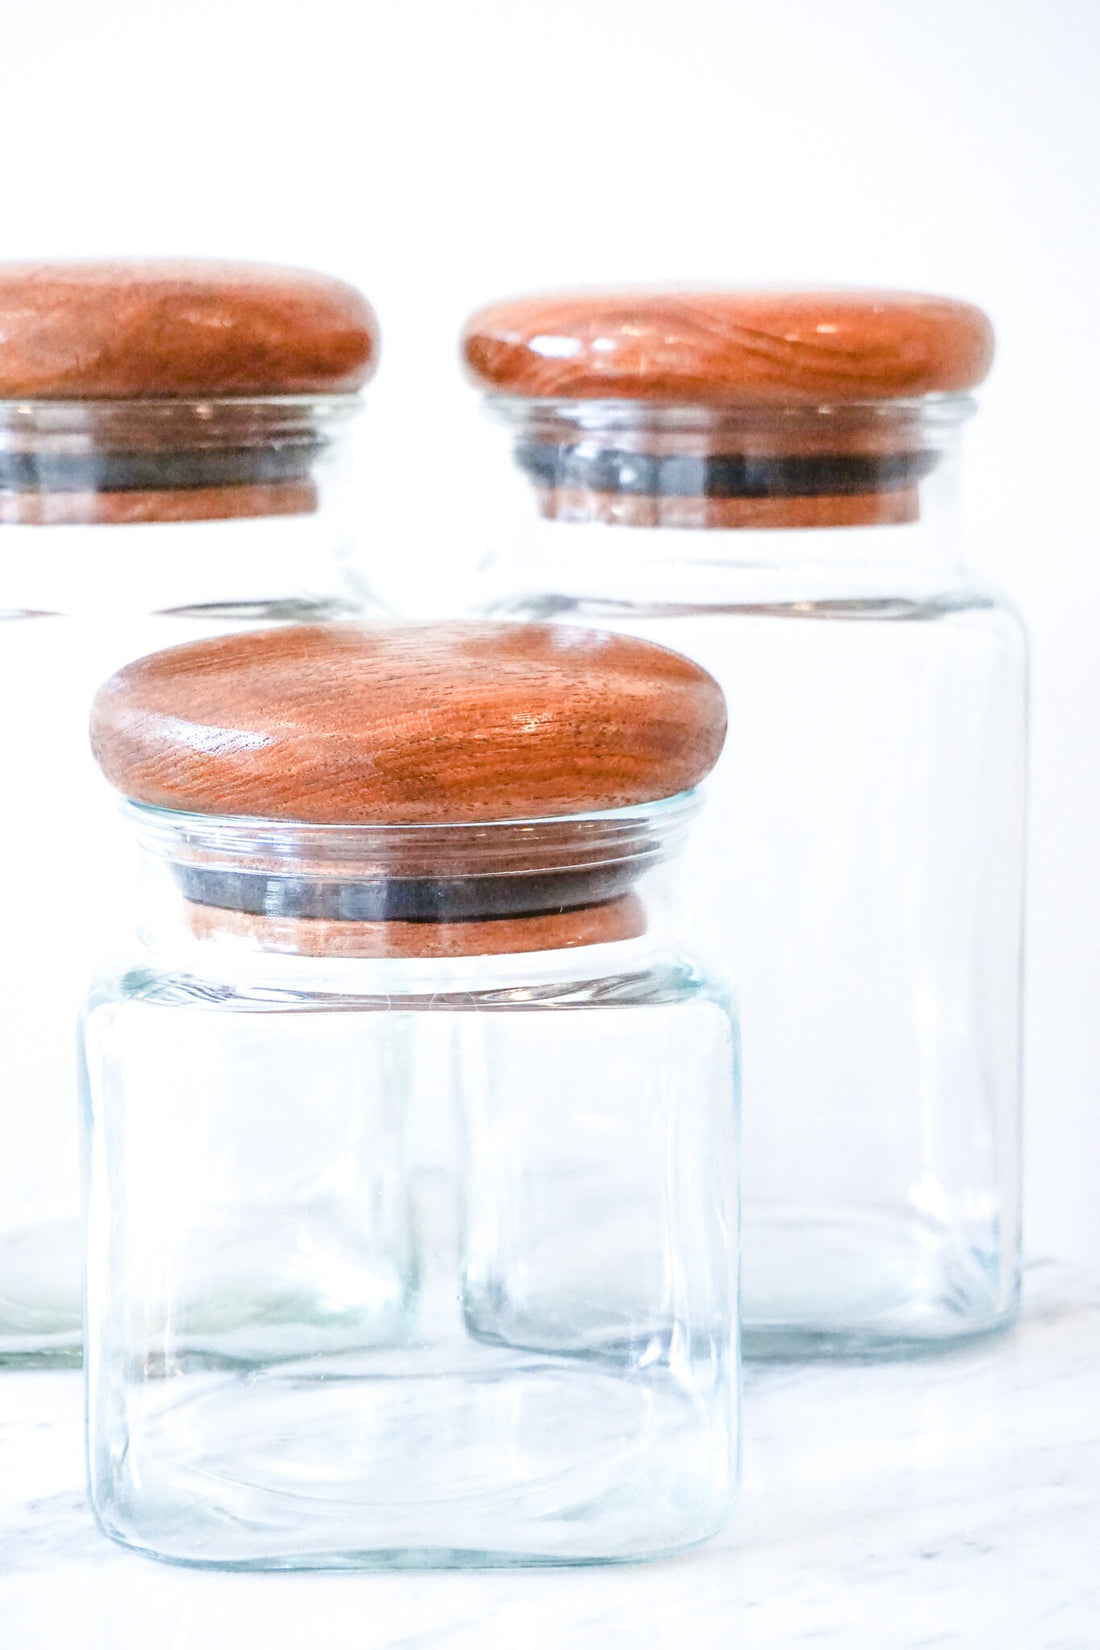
(953, 1502)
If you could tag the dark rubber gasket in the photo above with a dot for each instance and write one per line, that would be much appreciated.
(406, 899)
(107, 472)
(733, 475)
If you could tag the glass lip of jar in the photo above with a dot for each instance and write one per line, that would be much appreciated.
(591, 416)
(730, 465)
(504, 847)
(118, 461)
(421, 874)
(160, 423)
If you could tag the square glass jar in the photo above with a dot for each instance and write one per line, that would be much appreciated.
(767, 482)
(400, 1259)
(175, 445)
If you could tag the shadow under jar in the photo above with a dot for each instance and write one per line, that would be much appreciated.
(173, 444)
(767, 482)
(411, 1221)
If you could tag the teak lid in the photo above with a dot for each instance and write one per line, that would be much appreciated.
(744, 348)
(409, 724)
(172, 328)
(750, 409)
(171, 391)
(426, 726)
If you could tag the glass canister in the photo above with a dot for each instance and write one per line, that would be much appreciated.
(173, 445)
(768, 482)
(411, 1227)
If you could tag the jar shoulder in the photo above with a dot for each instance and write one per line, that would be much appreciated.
(965, 602)
(402, 988)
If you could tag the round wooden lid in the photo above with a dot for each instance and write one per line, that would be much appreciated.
(411, 724)
(166, 329)
(751, 348)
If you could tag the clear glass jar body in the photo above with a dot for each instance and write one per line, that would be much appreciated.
(860, 860)
(123, 531)
(407, 1260)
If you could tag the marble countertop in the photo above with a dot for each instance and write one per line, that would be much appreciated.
(943, 1503)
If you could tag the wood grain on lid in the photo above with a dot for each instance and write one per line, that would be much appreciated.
(765, 348)
(411, 724)
(149, 329)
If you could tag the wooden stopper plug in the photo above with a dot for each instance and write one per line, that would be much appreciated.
(768, 351)
(564, 930)
(432, 725)
(164, 331)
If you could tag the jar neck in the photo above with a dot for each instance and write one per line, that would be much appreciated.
(232, 510)
(244, 887)
(801, 501)
(119, 462)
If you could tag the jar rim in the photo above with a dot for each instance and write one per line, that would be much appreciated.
(948, 406)
(126, 460)
(72, 414)
(729, 464)
(424, 878)
(674, 810)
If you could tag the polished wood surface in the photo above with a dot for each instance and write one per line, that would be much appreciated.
(413, 724)
(78, 331)
(764, 348)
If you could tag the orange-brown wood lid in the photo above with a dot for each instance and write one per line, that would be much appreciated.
(411, 724)
(129, 330)
(752, 348)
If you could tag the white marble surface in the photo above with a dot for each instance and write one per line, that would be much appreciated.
(951, 1502)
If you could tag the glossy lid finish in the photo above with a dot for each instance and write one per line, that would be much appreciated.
(179, 328)
(410, 724)
(746, 348)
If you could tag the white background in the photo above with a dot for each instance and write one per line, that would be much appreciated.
(443, 152)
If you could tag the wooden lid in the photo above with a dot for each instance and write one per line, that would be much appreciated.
(751, 348)
(412, 724)
(147, 330)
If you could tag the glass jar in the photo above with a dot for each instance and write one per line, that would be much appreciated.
(411, 1221)
(151, 490)
(768, 483)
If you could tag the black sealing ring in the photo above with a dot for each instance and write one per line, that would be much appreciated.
(406, 899)
(156, 472)
(733, 475)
